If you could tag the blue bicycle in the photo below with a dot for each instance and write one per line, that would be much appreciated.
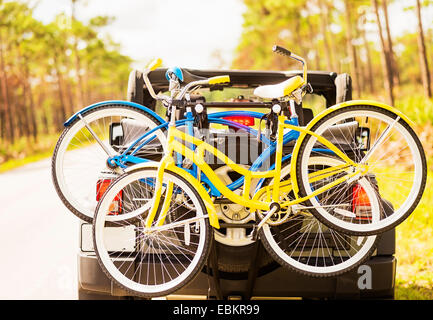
(103, 139)
(295, 237)
(82, 154)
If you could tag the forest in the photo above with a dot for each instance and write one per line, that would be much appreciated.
(49, 71)
(355, 36)
(351, 36)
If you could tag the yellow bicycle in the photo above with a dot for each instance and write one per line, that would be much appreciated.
(333, 183)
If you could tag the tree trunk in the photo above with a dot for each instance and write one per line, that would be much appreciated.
(354, 70)
(32, 110)
(59, 118)
(425, 72)
(70, 97)
(44, 114)
(395, 72)
(19, 117)
(80, 90)
(299, 40)
(385, 61)
(334, 50)
(370, 77)
(80, 87)
(324, 23)
(7, 107)
(23, 106)
(311, 33)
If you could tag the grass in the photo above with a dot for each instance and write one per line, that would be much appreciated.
(414, 250)
(25, 151)
(414, 245)
(15, 163)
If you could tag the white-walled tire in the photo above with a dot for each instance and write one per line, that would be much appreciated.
(78, 160)
(397, 166)
(304, 244)
(158, 263)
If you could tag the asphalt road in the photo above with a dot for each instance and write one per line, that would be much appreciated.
(38, 237)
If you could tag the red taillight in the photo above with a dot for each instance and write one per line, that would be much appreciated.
(245, 120)
(360, 197)
(102, 186)
(116, 205)
(360, 203)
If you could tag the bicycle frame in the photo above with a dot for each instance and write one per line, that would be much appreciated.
(217, 118)
(128, 156)
(197, 157)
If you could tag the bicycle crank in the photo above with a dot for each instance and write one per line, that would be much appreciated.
(274, 208)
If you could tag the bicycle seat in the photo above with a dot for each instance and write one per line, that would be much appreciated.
(183, 75)
(189, 77)
(279, 90)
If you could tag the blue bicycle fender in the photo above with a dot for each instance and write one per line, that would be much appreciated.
(117, 102)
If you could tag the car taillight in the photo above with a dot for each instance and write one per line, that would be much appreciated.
(116, 205)
(102, 186)
(245, 120)
(360, 203)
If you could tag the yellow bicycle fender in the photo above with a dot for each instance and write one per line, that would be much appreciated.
(166, 203)
(213, 217)
(362, 103)
(326, 112)
(157, 196)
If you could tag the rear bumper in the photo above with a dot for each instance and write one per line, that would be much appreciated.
(278, 283)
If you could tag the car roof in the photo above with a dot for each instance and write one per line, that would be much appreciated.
(322, 82)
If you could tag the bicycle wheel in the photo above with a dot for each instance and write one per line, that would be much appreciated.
(79, 163)
(395, 166)
(297, 240)
(156, 263)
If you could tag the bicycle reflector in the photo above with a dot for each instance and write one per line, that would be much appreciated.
(116, 205)
(245, 120)
(360, 203)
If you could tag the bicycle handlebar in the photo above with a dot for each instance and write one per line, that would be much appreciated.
(288, 53)
(157, 62)
(211, 81)
(281, 50)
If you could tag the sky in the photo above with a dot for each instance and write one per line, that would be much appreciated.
(186, 33)
(180, 32)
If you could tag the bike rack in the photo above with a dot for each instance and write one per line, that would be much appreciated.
(282, 283)
(252, 273)
(215, 284)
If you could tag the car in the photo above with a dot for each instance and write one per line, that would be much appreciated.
(238, 266)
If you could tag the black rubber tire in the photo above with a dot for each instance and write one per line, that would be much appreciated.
(59, 142)
(200, 264)
(311, 274)
(336, 227)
